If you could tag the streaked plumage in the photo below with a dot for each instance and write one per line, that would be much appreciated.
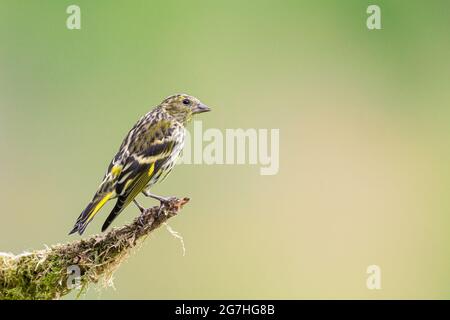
(146, 156)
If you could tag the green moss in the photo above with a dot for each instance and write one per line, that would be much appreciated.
(43, 274)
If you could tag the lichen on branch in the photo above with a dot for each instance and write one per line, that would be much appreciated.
(47, 274)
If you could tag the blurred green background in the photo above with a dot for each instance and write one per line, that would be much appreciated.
(364, 123)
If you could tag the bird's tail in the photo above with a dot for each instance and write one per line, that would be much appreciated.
(88, 214)
(118, 208)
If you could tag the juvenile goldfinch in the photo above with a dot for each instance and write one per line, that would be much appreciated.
(146, 156)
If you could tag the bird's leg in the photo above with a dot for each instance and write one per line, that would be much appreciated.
(154, 196)
(141, 216)
(163, 200)
(141, 208)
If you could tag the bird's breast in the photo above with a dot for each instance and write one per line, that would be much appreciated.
(170, 161)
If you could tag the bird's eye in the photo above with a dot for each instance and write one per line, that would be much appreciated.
(186, 102)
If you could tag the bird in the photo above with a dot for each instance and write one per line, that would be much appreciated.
(146, 156)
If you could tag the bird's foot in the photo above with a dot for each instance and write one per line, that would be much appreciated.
(141, 220)
(165, 204)
(168, 206)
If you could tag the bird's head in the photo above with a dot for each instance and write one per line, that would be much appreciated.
(183, 106)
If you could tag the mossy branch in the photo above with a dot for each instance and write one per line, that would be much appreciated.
(53, 272)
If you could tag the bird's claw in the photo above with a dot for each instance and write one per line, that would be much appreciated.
(165, 204)
(141, 220)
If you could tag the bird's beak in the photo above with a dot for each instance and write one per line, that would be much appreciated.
(200, 108)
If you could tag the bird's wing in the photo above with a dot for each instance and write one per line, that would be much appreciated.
(150, 145)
